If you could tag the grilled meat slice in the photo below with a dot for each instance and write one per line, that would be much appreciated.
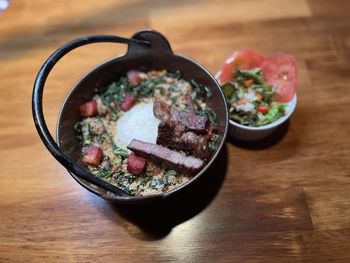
(173, 134)
(192, 122)
(167, 158)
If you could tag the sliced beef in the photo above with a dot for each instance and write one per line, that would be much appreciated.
(195, 123)
(167, 158)
(173, 134)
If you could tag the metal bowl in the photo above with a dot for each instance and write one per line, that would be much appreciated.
(157, 55)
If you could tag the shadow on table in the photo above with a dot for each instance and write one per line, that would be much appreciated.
(157, 220)
(265, 143)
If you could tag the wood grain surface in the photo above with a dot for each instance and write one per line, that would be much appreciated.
(283, 200)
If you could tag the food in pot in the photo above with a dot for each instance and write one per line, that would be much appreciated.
(148, 132)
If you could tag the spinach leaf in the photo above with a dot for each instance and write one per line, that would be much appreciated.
(120, 151)
(102, 173)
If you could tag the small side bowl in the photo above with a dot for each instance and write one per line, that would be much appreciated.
(245, 133)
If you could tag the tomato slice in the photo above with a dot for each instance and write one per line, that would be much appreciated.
(280, 71)
(242, 59)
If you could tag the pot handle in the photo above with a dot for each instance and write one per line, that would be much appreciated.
(37, 107)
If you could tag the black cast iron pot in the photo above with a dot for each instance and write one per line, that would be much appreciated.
(147, 50)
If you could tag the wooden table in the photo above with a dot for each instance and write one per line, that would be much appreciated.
(284, 200)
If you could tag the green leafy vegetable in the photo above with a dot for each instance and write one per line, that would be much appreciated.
(228, 89)
(268, 93)
(104, 173)
(247, 118)
(156, 183)
(114, 93)
(254, 74)
(209, 113)
(120, 151)
(146, 87)
(274, 113)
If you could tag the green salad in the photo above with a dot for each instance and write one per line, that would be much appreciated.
(251, 100)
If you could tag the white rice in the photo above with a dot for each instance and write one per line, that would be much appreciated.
(137, 123)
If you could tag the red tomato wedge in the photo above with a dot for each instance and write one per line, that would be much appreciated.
(93, 155)
(280, 71)
(242, 59)
(88, 109)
